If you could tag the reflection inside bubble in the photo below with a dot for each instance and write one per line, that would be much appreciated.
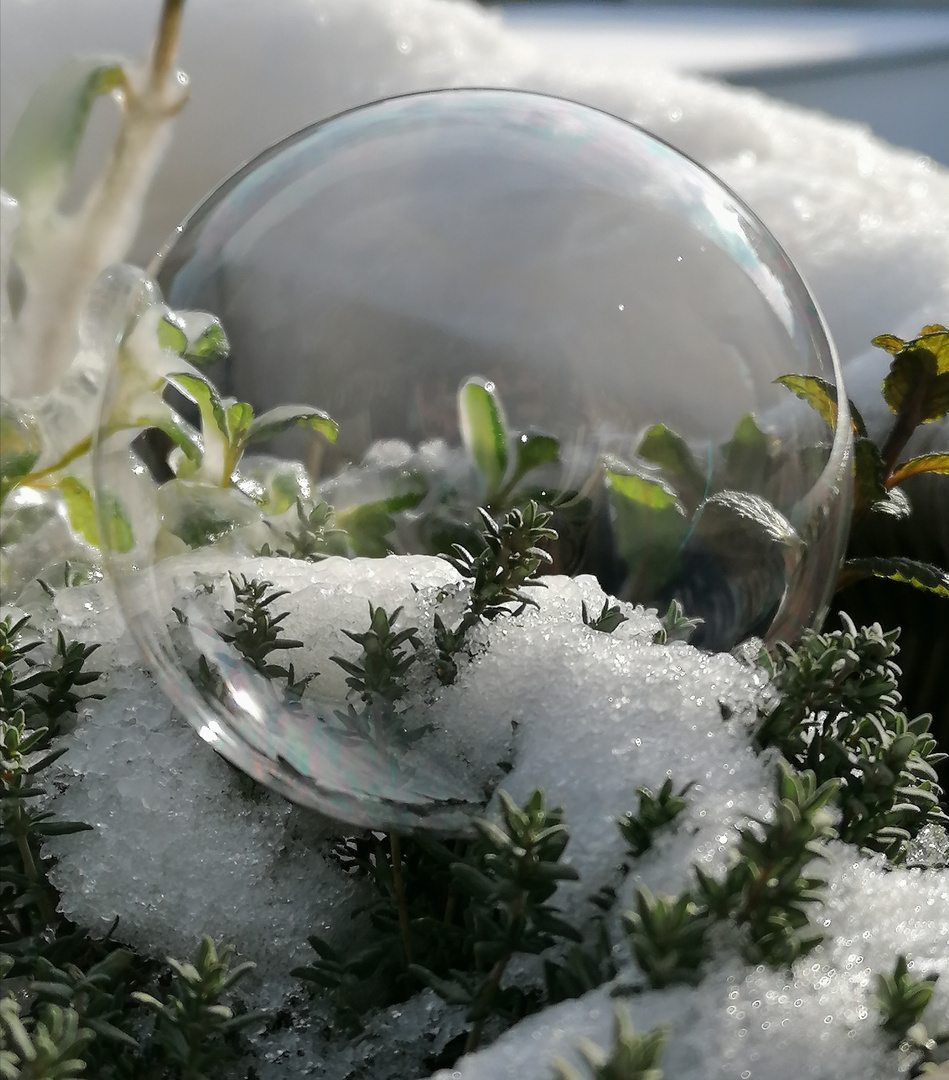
(492, 311)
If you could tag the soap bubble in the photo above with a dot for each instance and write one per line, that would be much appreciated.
(499, 298)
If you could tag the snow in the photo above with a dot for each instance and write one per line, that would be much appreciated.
(179, 849)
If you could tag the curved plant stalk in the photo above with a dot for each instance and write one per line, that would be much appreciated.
(61, 256)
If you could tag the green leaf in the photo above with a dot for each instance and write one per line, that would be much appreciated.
(917, 384)
(749, 456)
(114, 527)
(822, 397)
(818, 393)
(208, 345)
(720, 512)
(200, 514)
(240, 417)
(895, 504)
(663, 447)
(287, 416)
(204, 394)
(171, 334)
(934, 337)
(282, 483)
(533, 450)
(925, 463)
(179, 435)
(484, 430)
(85, 518)
(650, 525)
(367, 526)
(869, 486)
(80, 508)
(20, 447)
(41, 154)
(920, 575)
(890, 342)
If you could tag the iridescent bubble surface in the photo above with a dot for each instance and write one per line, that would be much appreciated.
(501, 297)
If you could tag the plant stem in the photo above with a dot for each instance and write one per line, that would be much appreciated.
(907, 420)
(166, 43)
(30, 869)
(398, 884)
(82, 447)
(60, 278)
(484, 1002)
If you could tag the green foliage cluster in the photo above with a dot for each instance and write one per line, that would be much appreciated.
(36, 695)
(915, 390)
(88, 1024)
(902, 1000)
(379, 675)
(509, 561)
(453, 916)
(255, 630)
(512, 873)
(74, 1005)
(194, 1029)
(655, 812)
(314, 536)
(765, 893)
(632, 1056)
(450, 915)
(607, 621)
(838, 714)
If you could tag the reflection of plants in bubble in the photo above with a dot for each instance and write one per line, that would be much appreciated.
(228, 427)
(700, 533)
(312, 537)
(501, 458)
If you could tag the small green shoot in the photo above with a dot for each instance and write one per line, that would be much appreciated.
(655, 812)
(902, 999)
(607, 621)
(631, 1057)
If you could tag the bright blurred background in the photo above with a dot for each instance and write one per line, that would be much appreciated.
(883, 64)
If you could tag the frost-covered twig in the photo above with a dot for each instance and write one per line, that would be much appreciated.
(60, 256)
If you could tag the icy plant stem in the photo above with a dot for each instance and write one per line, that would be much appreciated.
(484, 1002)
(59, 281)
(494, 980)
(398, 884)
(907, 420)
(166, 44)
(84, 446)
(30, 868)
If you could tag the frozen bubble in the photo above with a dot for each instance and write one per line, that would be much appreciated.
(500, 297)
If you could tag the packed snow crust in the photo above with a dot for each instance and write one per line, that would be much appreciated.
(181, 847)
